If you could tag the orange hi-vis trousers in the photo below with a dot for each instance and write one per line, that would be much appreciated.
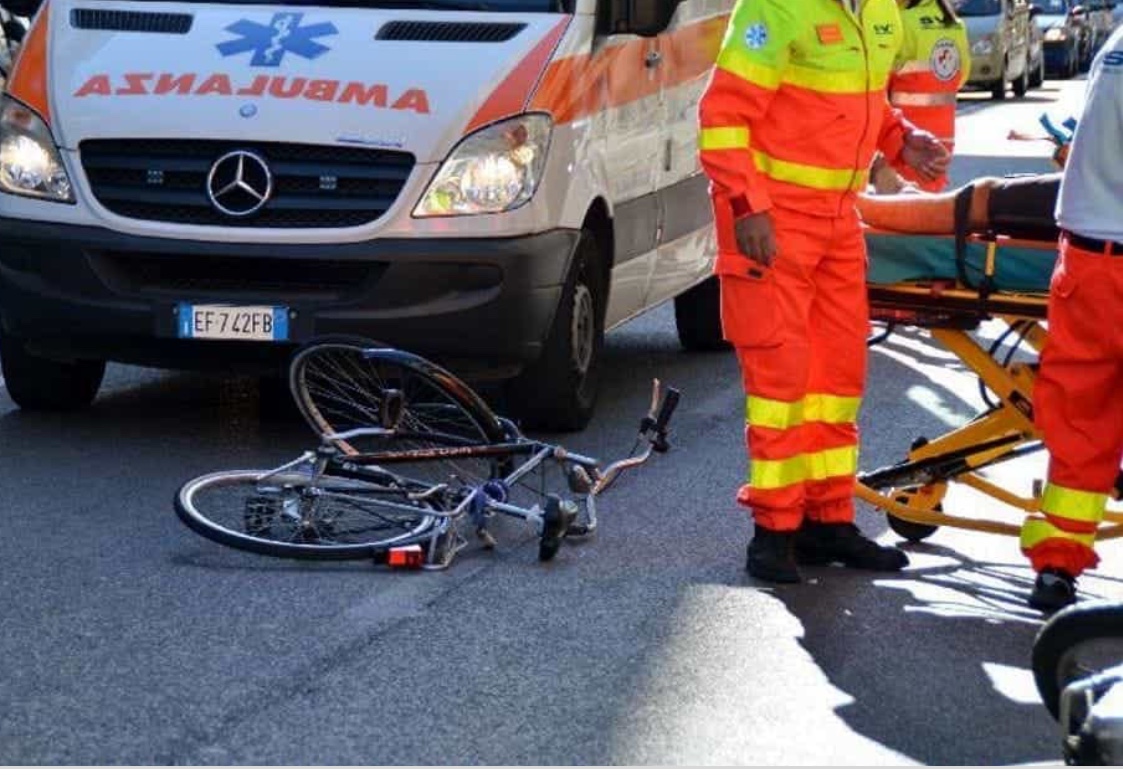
(1078, 406)
(799, 328)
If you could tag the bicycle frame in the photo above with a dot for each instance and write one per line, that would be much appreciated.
(583, 473)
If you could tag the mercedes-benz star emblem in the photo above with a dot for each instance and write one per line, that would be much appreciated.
(239, 183)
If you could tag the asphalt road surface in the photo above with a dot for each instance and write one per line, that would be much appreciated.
(127, 639)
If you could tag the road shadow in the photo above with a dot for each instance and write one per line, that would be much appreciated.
(936, 659)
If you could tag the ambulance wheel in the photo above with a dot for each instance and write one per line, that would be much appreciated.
(698, 317)
(38, 383)
(558, 392)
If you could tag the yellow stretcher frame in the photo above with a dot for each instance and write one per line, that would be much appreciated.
(911, 491)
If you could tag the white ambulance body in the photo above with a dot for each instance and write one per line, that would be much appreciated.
(206, 184)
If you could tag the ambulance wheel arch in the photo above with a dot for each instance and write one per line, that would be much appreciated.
(558, 391)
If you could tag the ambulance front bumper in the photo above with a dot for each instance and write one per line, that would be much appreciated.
(483, 306)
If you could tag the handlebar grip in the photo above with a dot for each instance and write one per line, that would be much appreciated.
(666, 409)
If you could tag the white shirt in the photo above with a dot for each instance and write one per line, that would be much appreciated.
(1090, 202)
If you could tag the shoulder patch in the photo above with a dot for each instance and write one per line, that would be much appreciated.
(756, 36)
(945, 62)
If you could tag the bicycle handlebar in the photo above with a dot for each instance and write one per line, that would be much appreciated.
(653, 431)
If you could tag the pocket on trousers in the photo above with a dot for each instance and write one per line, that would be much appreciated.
(750, 314)
(1063, 282)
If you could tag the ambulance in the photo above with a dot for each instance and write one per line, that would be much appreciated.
(492, 184)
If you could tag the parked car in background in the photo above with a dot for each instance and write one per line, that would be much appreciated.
(1101, 21)
(999, 34)
(1067, 38)
(1036, 51)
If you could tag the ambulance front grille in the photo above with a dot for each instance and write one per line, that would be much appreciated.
(322, 187)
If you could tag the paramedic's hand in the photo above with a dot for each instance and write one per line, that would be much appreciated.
(755, 238)
(925, 154)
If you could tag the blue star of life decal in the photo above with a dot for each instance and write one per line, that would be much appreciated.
(270, 42)
(756, 36)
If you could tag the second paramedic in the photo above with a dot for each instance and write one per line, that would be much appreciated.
(1076, 398)
(789, 123)
(932, 66)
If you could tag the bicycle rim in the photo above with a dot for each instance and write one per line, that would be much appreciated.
(340, 387)
(283, 516)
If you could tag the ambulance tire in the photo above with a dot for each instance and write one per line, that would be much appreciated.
(698, 317)
(39, 384)
(558, 392)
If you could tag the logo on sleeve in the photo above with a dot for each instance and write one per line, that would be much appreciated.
(945, 60)
(1113, 60)
(756, 36)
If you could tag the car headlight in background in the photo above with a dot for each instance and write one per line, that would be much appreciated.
(983, 46)
(494, 170)
(1055, 34)
(30, 164)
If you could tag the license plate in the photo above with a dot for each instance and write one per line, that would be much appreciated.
(233, 322)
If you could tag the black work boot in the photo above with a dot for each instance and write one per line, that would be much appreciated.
(771, 556)
(1053, 590)
(825, 543)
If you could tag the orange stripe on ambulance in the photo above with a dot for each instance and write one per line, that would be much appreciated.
(279, 87)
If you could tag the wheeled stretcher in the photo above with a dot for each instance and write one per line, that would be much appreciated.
(949, 284)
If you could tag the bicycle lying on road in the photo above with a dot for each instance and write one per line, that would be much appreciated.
(408, 455)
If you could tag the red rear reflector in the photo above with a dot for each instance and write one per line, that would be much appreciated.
(406, 556)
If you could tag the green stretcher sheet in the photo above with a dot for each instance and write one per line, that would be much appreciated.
(899, 258)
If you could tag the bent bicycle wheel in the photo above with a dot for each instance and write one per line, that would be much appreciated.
(1077, 642)
(342, 385)
(286, 516)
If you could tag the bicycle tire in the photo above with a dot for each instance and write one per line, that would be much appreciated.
(336, 408)
(197, 520)
(1056, 641)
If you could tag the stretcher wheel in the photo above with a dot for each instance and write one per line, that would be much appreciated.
(919, 498)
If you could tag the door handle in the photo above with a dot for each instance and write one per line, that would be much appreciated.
(652, 59)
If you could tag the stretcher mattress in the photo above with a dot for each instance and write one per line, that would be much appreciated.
(898, 258)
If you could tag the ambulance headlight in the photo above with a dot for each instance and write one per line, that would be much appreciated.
(30, 164)
(491, 171)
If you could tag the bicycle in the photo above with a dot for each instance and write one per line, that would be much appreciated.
(407, 454)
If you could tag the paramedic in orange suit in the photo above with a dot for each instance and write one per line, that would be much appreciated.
(1078, 395)
(932, 66)
(793, 112)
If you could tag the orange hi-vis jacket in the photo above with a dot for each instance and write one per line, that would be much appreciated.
(796, 105)
(932, 66)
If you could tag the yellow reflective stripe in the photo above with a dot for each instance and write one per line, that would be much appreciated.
(772, 413)
(735, 60)
(720, 138)
(832, 463)
(1036, 531)
(778, 473)
(831, 409)
(832, 178)
(834, 81)
(824, 408)
(1072, 503)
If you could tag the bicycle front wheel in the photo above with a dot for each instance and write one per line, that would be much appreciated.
(289, 516)
(343, 385)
